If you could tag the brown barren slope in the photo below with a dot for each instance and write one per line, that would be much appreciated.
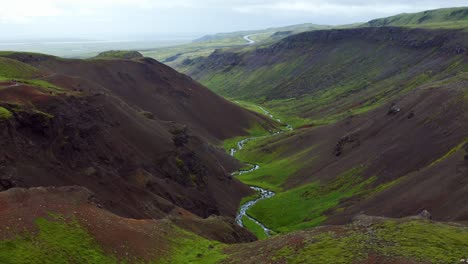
(95, 131)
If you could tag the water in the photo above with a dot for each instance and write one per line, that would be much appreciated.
(264, 194)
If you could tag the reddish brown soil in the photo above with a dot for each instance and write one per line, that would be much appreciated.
(23, 94)
(148, 85)
(123, 237)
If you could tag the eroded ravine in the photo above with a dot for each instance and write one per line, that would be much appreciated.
(263, 193)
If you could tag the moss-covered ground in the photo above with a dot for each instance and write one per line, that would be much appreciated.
(56, 241)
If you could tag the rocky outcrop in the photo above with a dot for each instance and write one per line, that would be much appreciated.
(449, 41)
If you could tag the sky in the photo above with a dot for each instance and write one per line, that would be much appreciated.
(124, 19)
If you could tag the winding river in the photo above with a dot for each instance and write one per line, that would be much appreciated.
(263, 193)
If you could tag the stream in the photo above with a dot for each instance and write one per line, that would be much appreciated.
(264, 194)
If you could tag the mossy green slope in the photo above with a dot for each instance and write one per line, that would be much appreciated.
(324, 76)
(368, 239)
(119, 54)
(410, 240)
(10, 68)
(438, 18)
(5, 113)
(190, 248)
(57, 241)
(60, 240)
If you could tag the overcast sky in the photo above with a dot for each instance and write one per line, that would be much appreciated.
(122, 18)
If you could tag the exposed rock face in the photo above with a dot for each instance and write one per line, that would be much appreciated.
(352, 140)
(449, 41)
(393, 110)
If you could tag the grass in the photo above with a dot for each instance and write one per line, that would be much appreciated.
(330, 248)
(408, 241)
(274, 170)
(10, 68)
(60, 240)
(254, 228)
(192, 249)
(249, 198)
(65, 241)
(321, 83)
(450, 153)
(57, 241)
(256, 130)
(439, 18)
(424, 241)
(304, 207)
(5, 113)
(203, 47)
(44, 85)
(118, 54)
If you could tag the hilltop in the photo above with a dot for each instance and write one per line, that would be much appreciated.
(119, 54)
(439, 18)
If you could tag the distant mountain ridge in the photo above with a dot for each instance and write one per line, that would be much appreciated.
(292, 29)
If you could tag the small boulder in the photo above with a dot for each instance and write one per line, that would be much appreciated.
(148, 115)
(425, 215)
(393, 110)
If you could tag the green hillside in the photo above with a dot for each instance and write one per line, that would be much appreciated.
(10, 68)
(204, 46)
(119, 54)
(324, 76)
(439, 18)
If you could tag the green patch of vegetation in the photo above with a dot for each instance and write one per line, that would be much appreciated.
(57, 241)
(175, 56)
(420, 241)
(450, 153)
(316, 83)
(119, 54)
(330, 248)
(180, 163)
(44, 85)
(255, 131)
(5, 113)
(254, 228)
(10, 68)
(423, 241)
(249, 198)
(274, 170)
(251, 106)
(303, 207)
(439, 18)
(190, 248)
(47, 115)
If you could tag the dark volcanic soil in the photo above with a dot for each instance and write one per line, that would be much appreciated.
(136, 133)
(420, 146)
